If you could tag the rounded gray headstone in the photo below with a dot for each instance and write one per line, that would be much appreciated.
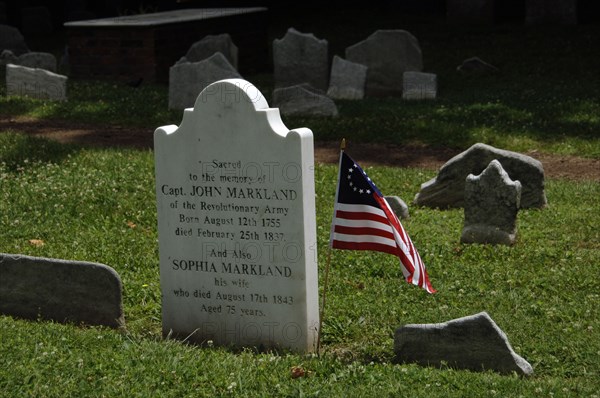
(60, 290)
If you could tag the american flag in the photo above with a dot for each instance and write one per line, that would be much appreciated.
(363, 220)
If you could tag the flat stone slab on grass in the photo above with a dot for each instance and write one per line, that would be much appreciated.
(35, 83)
(303, 99)
(447, 190)
(473, 342)
(60, 290)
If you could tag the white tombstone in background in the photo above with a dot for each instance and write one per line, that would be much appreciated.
(236, 223)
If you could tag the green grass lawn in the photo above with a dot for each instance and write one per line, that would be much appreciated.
(99, 205)
(544, 292)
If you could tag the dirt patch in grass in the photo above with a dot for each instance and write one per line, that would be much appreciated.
(555, 166)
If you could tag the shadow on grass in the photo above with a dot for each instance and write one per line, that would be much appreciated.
(17, 150)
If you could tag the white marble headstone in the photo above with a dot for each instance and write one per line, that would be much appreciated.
(236, 223)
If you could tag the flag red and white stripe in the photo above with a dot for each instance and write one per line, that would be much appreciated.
(363, 220)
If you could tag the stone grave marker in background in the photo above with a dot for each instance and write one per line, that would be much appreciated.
(188, 79)
(60, 290)
(37, 60)
(236, 223)
(35, 83)
(211, 44)
(303, 99)
(419, 86)
(300, 58)
(447, 189)
(387, 54)
(399, 207)
(347, 79)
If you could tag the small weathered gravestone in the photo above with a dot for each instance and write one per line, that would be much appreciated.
(45, 61)
(211, 44)
(60, 290)
(447, 189)
(491, 207)
(387, 54)
(11, 39)
(474, 342)
(419, 86)
(303, 99)
(300, 58)
(236, 223)
(188, 79)
(347, 80)
(399, 207)
(35, 83)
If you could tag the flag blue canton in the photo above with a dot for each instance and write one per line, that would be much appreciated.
(355, 185)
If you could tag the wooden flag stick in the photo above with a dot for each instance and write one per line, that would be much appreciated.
(326, 281)
(322, 315)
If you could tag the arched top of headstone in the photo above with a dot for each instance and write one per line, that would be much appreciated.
(228, 90)
(228, 106)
